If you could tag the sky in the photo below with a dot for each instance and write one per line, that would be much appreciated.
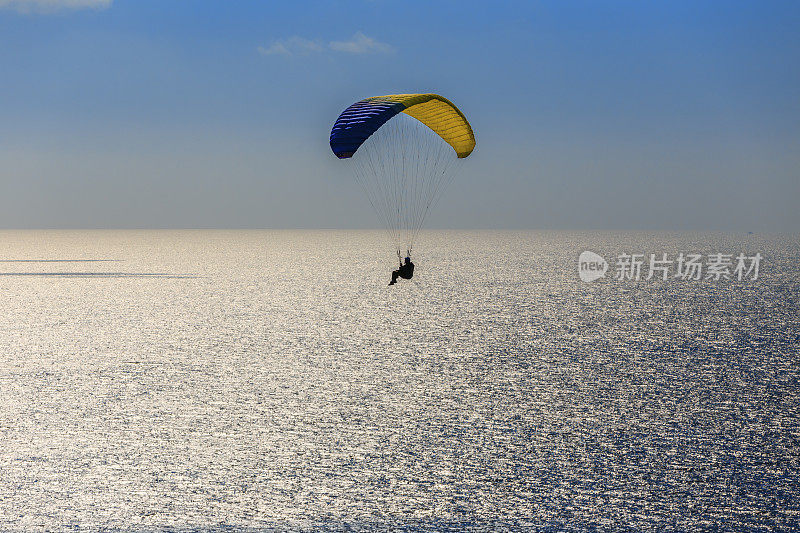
(612, 115)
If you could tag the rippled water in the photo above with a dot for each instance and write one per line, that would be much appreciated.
(270, 380)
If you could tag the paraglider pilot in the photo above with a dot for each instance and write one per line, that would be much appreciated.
(406, 271)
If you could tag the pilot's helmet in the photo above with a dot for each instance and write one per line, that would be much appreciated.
(408, 259)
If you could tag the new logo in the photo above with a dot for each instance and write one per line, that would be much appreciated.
(591, 266)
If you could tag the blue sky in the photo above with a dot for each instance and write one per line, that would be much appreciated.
(588, 115)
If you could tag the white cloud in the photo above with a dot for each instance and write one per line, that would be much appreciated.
(291, 46)
(295, 46)
(51, 6)
(361, 44)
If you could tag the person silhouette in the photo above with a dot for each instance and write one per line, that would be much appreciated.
(406, 271)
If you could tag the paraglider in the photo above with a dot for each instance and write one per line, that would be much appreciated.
(404, 149)
(406, 271)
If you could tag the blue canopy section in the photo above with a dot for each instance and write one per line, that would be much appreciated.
(358, 122)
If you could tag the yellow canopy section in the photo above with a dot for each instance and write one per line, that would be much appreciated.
(440, 115)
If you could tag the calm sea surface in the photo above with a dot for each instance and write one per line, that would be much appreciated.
(270, 380)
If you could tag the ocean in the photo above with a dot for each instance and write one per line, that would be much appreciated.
(271, 381)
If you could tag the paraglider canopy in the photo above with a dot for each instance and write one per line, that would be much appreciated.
(362, 119)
